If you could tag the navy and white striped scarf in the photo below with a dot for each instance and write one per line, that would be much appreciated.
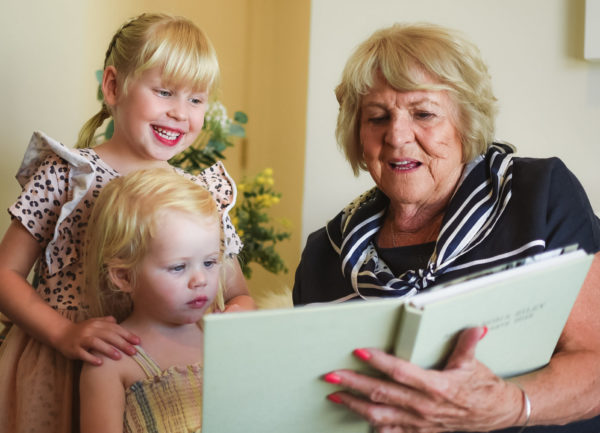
(478, 203)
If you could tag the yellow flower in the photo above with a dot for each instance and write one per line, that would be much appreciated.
(286, 223)
(264, 200)
(268, 172)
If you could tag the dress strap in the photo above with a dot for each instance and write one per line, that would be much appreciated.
(150, 367)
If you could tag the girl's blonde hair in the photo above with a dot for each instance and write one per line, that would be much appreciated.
(175, 44)
(402, 53)
(122, 225)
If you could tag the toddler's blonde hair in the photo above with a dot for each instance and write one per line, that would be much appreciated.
(121, 227)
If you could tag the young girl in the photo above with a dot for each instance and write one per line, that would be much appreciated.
(153, 257)
(158, 73)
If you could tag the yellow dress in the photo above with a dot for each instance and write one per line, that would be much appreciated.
(166, 401)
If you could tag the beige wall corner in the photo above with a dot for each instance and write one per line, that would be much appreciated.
(277, 75)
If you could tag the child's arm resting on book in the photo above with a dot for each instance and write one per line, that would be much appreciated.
(102, 398)
(466, 395)
(237, 297)
(20, 302)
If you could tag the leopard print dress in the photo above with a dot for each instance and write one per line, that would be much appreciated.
(60, 185)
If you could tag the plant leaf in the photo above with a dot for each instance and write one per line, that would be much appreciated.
(240, 117)
(237, 130)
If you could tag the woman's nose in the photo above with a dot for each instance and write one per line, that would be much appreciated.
(400, 130)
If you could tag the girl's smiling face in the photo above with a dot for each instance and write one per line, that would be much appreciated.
(155, 120)
(411, 145)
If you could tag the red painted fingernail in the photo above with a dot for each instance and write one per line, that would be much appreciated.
(485, 331)
(334, 398)
(332, 378)
(363, 354)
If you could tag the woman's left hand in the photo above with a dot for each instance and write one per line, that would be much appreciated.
(465, 395)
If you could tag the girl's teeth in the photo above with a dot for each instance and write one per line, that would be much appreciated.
(169, 135)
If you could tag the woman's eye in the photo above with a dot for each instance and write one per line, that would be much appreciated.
(378, 119)
(423, 115)
(162, 92)
(177, 268)
(196, 101)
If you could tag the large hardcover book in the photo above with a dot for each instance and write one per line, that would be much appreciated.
(263, 369)
(524, 304)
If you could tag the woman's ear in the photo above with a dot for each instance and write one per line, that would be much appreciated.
(121, 278)
(110, 88)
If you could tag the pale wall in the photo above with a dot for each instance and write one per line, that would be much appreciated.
(549, 96)
(50, 51)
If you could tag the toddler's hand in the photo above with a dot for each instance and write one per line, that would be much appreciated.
(101, 335)
(231, 308)
(240, 303)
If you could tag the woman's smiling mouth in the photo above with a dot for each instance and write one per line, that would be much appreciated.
(406, 164)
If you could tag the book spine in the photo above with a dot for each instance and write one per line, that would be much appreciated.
(408, 332)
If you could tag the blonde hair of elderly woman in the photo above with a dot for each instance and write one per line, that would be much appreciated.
(175, 44)
(123, 222)
(402, 53)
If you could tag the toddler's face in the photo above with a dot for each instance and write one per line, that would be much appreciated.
(178, 279)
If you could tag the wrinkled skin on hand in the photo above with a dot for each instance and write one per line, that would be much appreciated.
(464, 396)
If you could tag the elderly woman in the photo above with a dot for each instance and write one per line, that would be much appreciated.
(417, 111)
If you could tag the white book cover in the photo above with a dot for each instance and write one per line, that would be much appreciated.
(263, 369)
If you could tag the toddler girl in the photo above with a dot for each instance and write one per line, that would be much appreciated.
(154, 259)
(158, 73)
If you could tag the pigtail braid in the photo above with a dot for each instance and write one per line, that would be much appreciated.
(88, 130)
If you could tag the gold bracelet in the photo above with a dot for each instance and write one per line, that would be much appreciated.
(527, 407)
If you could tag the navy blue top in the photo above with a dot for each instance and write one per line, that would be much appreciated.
(547, 203)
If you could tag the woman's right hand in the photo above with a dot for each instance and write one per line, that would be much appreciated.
(90, 338)
(464, 396)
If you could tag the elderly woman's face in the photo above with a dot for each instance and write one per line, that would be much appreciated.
(410, 143)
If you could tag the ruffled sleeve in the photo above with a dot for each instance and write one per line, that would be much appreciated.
(54, 180)
(222, 187)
